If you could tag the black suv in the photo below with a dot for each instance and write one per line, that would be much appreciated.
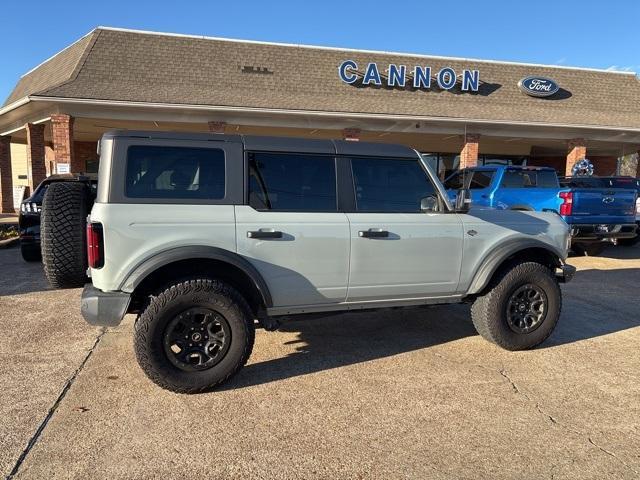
(31, 207)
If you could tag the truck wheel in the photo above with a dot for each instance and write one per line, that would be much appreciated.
(589, 249)
(63, 234)
(194, 335)
(31, 253)
(520, 308)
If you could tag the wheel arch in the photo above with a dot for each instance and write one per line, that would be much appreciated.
(199, 260)
(524, 250)
(522, 208)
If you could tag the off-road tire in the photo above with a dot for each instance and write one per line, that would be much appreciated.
(489, 310)
(152, 324)
(31, 253)
(63, 234)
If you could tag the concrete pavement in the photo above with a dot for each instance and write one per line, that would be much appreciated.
(396, 394)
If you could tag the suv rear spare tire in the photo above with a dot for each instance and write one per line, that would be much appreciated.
(63, 233)
(520, 308)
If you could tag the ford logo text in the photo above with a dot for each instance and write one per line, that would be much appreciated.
(538, 86)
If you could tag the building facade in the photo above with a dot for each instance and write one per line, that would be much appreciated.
(456, 112)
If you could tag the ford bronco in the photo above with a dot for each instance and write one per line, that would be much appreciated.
(206, 236)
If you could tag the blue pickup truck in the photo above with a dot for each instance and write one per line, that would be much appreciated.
(596, 215)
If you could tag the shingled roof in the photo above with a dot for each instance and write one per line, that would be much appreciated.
(113, 64)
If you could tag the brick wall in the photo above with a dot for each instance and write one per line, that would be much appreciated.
(469, 153)
(576, 150)
(6, 177)
(62, 135)
(37, 169)
(84, 152)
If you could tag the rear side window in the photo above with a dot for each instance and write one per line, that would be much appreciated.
(175, 173)
(547, 179)
(292, 182)
(389, 185)
(529, 178)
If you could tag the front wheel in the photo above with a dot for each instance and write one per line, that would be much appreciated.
(194, 335)
(520, 308)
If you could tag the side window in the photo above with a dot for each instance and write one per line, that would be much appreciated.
(292, 182)
(547, 179)
(175, 172)
(480, 179)
(389, 185)
(512, 179)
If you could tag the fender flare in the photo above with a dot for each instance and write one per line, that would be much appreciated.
(151, 264)
(492, 261)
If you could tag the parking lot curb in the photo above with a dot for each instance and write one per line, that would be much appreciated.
(9, 242)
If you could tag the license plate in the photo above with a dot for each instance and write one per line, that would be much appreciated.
(602, 228)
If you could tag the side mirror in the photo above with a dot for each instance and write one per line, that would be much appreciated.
(429, 204)
(463, 200)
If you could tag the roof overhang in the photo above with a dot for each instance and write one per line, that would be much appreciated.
(34, 108)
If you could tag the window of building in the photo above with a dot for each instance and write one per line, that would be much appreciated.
(389, 185)
(292, 182)
(175, 172)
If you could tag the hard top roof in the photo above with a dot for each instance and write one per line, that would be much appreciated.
(279, 144)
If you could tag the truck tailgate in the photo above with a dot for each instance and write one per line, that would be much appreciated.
(603, 206)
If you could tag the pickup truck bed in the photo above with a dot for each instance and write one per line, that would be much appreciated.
(595, 210)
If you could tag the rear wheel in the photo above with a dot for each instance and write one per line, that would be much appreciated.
(194, 335)
(63, 234)
(30, 253)
(520, 308)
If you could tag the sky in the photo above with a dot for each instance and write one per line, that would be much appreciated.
(584, 33)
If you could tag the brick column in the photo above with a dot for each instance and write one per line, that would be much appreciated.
(217, 127)
(6, 177)
(576, 150)
(36, 166)
(351, 134)
(469, 153)
(63, 148)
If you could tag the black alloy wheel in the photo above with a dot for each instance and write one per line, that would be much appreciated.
(526, 308)
(197, 339)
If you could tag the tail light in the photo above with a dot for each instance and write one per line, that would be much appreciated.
(567, 203)
(95, 245)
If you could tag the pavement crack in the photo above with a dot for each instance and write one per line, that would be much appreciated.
(611, 454)
(34, 438)
(555, 421)
(515, 388)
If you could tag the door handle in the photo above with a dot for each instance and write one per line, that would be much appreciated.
(373, 233)
(264, 233)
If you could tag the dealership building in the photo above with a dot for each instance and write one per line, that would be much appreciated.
(457, 112)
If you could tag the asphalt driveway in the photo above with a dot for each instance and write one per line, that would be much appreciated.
(402, 394)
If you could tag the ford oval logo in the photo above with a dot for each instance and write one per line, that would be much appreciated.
(538, 86)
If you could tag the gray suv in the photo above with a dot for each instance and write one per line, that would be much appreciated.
(206, 236)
